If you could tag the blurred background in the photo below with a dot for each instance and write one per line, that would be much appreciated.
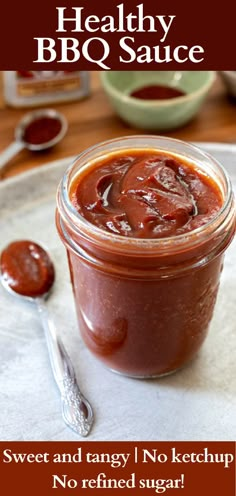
(93, 116)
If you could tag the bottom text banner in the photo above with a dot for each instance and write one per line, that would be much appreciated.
(138, 468)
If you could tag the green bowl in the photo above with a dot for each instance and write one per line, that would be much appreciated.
(157, 114)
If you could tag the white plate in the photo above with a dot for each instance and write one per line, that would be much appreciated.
(197, 403)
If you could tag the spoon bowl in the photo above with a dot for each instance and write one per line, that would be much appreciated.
(20, 133)
(31, 117)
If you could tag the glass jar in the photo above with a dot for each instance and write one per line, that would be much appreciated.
(144, 305)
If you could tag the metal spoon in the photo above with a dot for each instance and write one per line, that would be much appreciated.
(76, 410)
(20, 143)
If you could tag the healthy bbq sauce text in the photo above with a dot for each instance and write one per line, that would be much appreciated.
(145, 194)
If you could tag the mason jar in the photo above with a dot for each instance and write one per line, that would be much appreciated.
(144, 305)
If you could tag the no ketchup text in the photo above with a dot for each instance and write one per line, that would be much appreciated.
(120, 460)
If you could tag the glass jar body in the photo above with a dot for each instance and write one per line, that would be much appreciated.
(144, 327)
(144, 306)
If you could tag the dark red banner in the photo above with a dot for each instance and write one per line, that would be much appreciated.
(178, 468)
(124, 35)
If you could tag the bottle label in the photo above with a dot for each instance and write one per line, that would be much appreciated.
(31, 83)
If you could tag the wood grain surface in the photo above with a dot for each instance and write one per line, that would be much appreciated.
(93, 120)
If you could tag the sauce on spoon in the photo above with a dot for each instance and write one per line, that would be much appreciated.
(27, 269)
(42, 130)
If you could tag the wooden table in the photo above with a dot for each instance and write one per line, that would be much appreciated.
(93, 120)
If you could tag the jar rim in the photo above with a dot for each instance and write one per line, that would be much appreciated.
(70, 212)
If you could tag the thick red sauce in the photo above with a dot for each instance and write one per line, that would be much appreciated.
(26, 268)
(157, 92)
(144, 194)
(42, 130)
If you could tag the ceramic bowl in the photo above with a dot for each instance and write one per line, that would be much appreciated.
(157, 114)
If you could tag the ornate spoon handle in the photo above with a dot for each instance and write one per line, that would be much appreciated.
(77, 411)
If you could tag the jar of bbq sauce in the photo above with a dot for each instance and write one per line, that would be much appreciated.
(145, 221)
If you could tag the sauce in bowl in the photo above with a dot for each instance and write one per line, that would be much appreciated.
(157, 92)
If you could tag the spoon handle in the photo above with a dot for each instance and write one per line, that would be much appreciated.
(10, 152)
(77, 411)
